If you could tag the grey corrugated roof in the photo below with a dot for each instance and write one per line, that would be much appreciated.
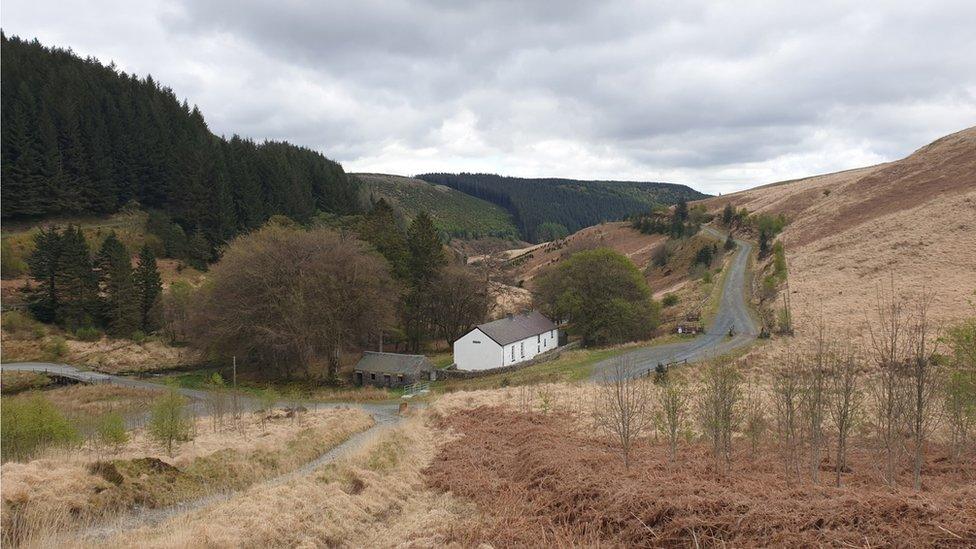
(517, 327)
(392, 363)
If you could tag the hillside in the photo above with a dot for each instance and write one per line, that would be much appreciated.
(83, 138)
(910, 221)
(457, 214)
(546, 209)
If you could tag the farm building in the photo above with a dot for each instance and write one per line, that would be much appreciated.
(506, 341)
(392, 369)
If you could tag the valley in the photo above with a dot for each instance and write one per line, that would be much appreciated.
(219, 342)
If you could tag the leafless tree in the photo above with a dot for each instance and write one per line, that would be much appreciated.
(889, 342)
(460, 301)
(622, 406)
(844, 403)
(292, 299)
(718, 410)
(754, 420)
(923, 381)
(813, 396)
(674, 398)
(787, 392)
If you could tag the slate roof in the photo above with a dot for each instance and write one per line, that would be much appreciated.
(393, 363)
(517, 327)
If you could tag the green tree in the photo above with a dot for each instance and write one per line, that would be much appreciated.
(168, 421)
(120, 301)
(382, 228)
(728, 215)
(199, 252)
(426, 251)
(551, 231)
(149, 287)
(603, 296)
(76, 281)
(43, 265)
(729, 243)
(111, 431)
(30, 424)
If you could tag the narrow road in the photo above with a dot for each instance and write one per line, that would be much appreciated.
(733, 312)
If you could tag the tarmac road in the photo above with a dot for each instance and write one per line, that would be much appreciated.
(733, 312)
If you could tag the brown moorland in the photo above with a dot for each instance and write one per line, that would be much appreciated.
(538, 480)
(911, 220)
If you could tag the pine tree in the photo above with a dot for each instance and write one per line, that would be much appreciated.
(120, 300)
(728, 214)
(75, 281)
(149, 287)
(43, 265)
(426, 251)
(381, 228)
(198, 251)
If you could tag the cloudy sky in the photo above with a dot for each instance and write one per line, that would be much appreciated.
(717, 95)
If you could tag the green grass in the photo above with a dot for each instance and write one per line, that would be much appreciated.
(453, 212)
(576, 365)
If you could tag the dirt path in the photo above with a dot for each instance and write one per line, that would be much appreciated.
(733, 312)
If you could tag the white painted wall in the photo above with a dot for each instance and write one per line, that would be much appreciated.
(530, 347)
(477, 351)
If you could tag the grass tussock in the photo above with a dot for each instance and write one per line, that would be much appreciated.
(89, 485)
(373, 497)
(14, 382)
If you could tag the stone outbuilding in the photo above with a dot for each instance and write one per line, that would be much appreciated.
(392, 369)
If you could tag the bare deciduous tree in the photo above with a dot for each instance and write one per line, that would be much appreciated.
(813, 396)
(754, 421)
(460, 301)
(673, 400)
(889, 345)
(718, 412)
(292, 299)
(844, 404)
(622, 406)
(923, 380)
(786, 405)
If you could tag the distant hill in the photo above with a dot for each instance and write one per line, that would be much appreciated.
(82, 138)
(912, 221)
(457, 214)
(544, 209)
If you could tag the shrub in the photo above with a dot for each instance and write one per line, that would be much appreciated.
(88, 333)
(11, 264)
(138, 336)
(670, 300)
(55, 347)
(111, 431)
(707, 277)
(21, 325)
(30, 424)
(168, 423)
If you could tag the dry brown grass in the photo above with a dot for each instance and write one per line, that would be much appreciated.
(94, 400)
(13, 382)
(374, 497)
(69, 483)
(539, 480)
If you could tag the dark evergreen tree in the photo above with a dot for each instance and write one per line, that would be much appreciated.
(764, 239)
(729, 243)
(76, 282)
(728, 214)
(199, 251)
(426, 250)
(381, 228)
(81, 137)
(43, 265)
(120, 300)
(149, 288)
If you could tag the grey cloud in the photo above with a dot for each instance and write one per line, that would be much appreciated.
(694, 89)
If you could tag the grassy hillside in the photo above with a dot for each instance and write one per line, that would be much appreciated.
(910, 221)
(454, 212)
(546, 209)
